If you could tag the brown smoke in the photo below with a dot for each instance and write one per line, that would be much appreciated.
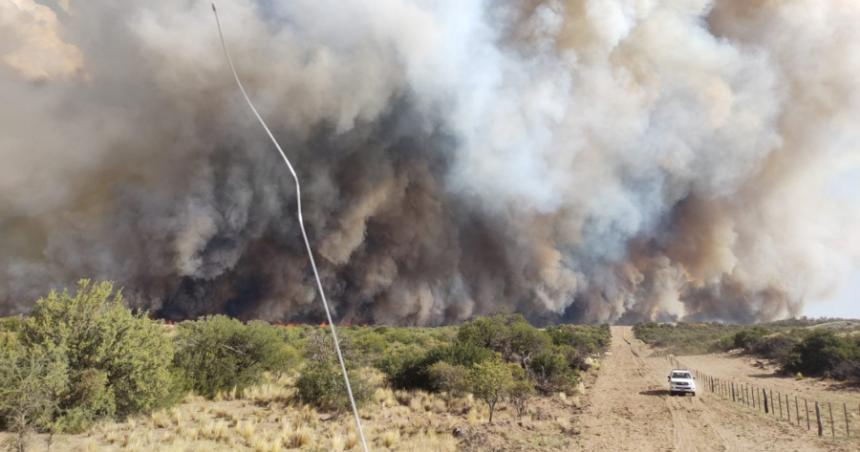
(588, 160)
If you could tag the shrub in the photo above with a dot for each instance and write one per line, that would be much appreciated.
(367, 345)
(117, 362)
(511, 336)
(551, 372)
(487, 332)
(451, 378)
(521, 389)
(461, 354)
(586, 339)
(409, 368)
(575, 358)
(321, 384)
(406, 367)
(523, 341)
(822, 352)
(218, 354)
(11, 324)
(747, 338)
(30, 384)
(775, 346)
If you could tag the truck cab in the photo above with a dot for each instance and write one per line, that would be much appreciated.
(681, 382)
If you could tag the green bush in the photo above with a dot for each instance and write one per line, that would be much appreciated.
(218, 354)
(551, 372)
(687, 338)
(321, 384)
(747, 338)
(367, 346)
(487, 332)
(406, 367)
(30, 385)
(450, 378)
(521, 389)
(776, 346)
(587, 339)
(409, 367)
(118, 363)
(509, 335)
(11, 324)
(821, 353)
(461, 354)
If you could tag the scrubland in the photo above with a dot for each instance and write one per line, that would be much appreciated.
(828, 348)
(82, 372)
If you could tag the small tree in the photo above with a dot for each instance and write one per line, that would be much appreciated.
(490, 381)
(521, 389)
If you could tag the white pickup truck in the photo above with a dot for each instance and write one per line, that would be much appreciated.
(681, 382)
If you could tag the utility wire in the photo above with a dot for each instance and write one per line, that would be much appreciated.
(304, 233)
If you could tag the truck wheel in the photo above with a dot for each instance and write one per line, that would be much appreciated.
(694, 394)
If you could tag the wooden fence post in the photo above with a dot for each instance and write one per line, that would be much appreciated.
(832, 428)
(806, 408)
(733, 392)
(818, 419)
(779, 399)
(754, 396)
(845, 412)
(772, 409)
(797, 410)
(788, 409)
(766, 404)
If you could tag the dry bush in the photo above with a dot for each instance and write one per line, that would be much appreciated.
(389, 438)
(298, 438)
(246, 430)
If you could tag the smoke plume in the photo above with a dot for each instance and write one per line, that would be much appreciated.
(587, 160)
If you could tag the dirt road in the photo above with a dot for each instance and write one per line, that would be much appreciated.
(630, 410)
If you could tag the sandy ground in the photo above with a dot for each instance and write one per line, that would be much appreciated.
(630, 409)
(754, 372)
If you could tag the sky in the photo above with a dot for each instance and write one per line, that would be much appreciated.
(844, 304)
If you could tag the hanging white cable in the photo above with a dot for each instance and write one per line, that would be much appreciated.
(304, 233)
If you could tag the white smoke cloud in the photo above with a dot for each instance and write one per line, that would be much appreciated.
(581, 160)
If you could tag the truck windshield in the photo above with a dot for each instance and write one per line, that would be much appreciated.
(680, 375)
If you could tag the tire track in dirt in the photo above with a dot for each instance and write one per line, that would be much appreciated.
(691, 430)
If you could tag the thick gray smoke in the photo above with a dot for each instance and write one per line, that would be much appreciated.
(589, 160)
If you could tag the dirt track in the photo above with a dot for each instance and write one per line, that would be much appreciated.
(630, 409)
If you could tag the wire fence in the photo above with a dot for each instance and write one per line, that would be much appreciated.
(824, 418)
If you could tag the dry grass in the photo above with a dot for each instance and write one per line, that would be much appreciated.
(267, 419)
